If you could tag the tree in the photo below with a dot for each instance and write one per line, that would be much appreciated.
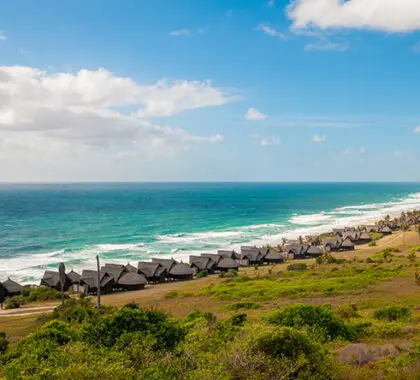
(404, 228)
(418, 229)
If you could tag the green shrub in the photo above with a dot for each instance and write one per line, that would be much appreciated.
(3, 342)
(76, 311)
(347, 311)
(238, 319)
(393, 313)
(14, 302)
(43, 293)
(376, 235)
(198, 316)
(369, 260)
(171, 294)
(388, 330)
(317, 319)
(243, 305)
(372, 243)
(297, 267)
(233, 272)
(414, 249)
(202, 274)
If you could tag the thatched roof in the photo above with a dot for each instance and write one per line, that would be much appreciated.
(116, 270)
(51, 279)
(314, 250)
(181, 270)
(167, 263)
(228, 254)
(273, 256)
(90, 278)
(132, 278)
(151, 269)
(338, 231)
(12, 287)
(202, 263)
(386, 230)
(365, 236)
(131, 268)
(213, 256)
(251, 255)
(347, 243)
(74, 277)
(228, 263)
(333, 243)
(352, 235)
(297, 249)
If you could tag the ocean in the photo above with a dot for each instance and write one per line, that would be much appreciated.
(45, 224)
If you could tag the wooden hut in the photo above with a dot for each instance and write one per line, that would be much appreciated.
(181, 272)
(338, 231)
(12, 288)
(154, 272)
(347, 245)
(352, 235)
(385, 230)
(132, 281)
(74, 279)
(296, 250)
(213, 256)
(116, 271)
(51, 279)
(273, 257)
(227, 263)
(201, 263)
(365, 238)
(314, 251)
(89, 280)
(331, 244)
(131, 268)
(167, 263)
(228, 254)
(251, 256)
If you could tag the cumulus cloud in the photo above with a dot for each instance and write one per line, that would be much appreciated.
(266, 29)
(266, 140)
(318, 138)
(417, 129)
(47, 112)
(254, 114)
(384, 15)
(180, 32)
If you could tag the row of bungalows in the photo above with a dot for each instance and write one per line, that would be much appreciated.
(385, 230)
(298, 250)
(9, 288)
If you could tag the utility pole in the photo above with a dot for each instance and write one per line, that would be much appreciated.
(98, 289)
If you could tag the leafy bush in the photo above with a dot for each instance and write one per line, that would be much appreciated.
(43, 293)
(77, 311)
(56, 332)
(233, 272)
(238, 319)
(376, 235)
(414, 249)
(243, 305)
(347, 311)
(3, 342)
(388, 330)
(171, 294)
(198, 316)
(202, 274)
(297, 267)
(372, 243)
(317, 319)
(393, 313)
(14, 302)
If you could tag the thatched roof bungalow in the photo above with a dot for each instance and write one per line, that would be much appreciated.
(12, 288)
(331, 244)
(227, 263)
(228, 254)
(181, 272)
(347, 245)
(51, 279)
(89, 280)
(116, 270)
(385, 230)
(201, 263)
(273, 257)
(132, 281)
(352, 235)
(297, 250)
(167, 263)
(365, 238)
(131, 268)
(314, 251)
(338, 231)
(74, 277)
(154, 272)
(251, 256)
(213, 256)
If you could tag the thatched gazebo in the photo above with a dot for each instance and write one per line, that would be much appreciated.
(227, 263)
(228, 254)
(154, 272)
(51, 279)
(132, 281)
(386, 230)
(12, 288)
(181, 272)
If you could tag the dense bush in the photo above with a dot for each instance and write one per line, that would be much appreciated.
(297, 267)
(202, 274)
(393, 313)
(243, 305)
(347, 311)
(43, 293)
(14, 302)
(3, 342)
(233, 272)
(319, 320)
(372, 243)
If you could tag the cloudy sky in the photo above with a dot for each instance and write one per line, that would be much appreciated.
(217, 90)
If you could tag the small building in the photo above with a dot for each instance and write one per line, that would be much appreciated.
(352, 235)
(273, 257)
(251, 256)
(201, 263)
(314, 251)
(131, 268)
(116, 270)
(89, 281)
(338, 231)
(227, 263)
(181, 272)
(229, 254)
(297, 250)
(74, 280)
(347, 245)
(331, 244)
(51, 279)
(12, 288)
(365, 238)
(154, 272)
(385, 230)
(132, 281)
(213, 256)
(167, 263)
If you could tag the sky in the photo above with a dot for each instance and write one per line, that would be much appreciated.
(211, 90)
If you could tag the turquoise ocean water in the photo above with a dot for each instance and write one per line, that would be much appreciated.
(42, 225)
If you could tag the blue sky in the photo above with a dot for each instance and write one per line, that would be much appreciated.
(258, 90)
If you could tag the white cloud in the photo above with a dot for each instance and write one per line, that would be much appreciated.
(417, 129)
(254, 114)
(61, 112)
(318, 138)
(384, 15)
(180, 32)
(326, 46)
(266, 140)
(266, 29)
(2, 36)
(362, 150)
(271, 3)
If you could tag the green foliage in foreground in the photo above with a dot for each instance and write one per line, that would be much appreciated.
(243, 305)
(41, 293)
(414, 249)
(323, 282)
(393, 313)
(319, 320)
